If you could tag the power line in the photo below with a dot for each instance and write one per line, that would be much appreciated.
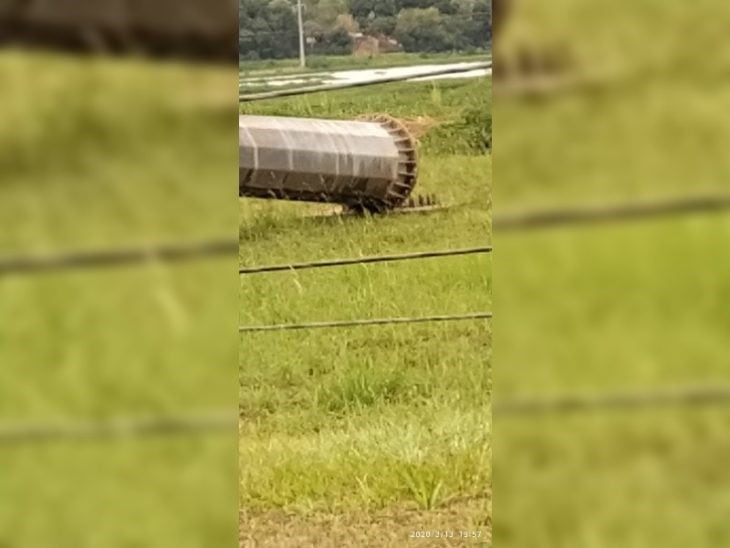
(365, 260)
(117, 428)
(105, 258)
(617, 212)
(687, 396)
(370, 322)
(348, 85)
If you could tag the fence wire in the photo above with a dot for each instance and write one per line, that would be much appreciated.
(537, 219)
(106, 258)
(368, 322)
(526, 220)
(365, 260)
(698, 396)
(118, 428)
(224, 422)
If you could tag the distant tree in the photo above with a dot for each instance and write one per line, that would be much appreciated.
(347, 22)
(365, 11)
(313, 29)
(268, 29)
(335, 42)
(446, 7)
(479, 30)
(420, 4)
(421, 30)
(326, 12)
(382, 25)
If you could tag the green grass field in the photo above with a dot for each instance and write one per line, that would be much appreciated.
(98, 153)
(343, 430)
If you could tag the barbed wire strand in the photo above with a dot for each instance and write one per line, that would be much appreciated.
(226, 422)
(687, 396)
(118, 428)
(118, 257)
(618, 212)
(243, 98)
(222, 247)
(365, 260)
(369, 322)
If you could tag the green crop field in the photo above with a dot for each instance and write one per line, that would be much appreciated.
(361, 436)
(97, 154)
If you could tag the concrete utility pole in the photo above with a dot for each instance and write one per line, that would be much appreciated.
(302, 58)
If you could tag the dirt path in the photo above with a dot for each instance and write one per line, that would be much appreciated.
(391, 528)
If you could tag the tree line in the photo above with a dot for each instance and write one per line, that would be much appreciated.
(268, 28)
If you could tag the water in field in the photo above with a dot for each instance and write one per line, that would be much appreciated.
(417, 72)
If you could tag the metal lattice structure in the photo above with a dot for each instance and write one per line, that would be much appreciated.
(369, 164)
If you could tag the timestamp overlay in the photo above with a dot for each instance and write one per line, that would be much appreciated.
(476, 535)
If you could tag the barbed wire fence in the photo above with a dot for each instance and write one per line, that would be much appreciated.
(682, 397)
(226, 422)
(223, 421)
(228, 247)
(111, 258)
(117, 428)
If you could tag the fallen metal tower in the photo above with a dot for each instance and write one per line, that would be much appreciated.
(367, 165)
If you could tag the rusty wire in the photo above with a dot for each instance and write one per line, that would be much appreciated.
(365, 260)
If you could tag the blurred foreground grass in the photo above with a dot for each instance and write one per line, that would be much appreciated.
(640, 306)
(95, 154)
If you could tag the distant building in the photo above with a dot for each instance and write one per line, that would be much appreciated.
(367, 46)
